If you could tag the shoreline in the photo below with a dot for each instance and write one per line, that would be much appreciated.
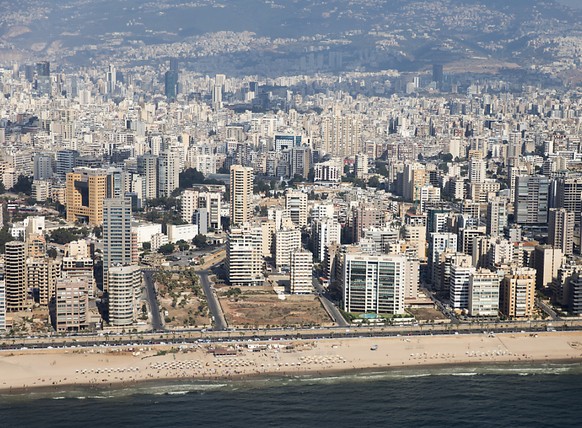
(148, 384)
(100, 369)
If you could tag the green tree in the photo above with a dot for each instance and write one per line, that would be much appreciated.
(98, 232)
(189, 177)
(381, 169)
(183, 245)
(52, 252)
(166, 249)
(199, 241)
(64, 236)
(23, 185)
(261, 186)
(446, 157)
(5, 237)
(373, 181)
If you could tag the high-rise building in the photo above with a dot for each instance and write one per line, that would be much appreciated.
(461, 270)
(374, 283)
(72, 304)
(41, 278)
(111, 80)
(436, 221)
(241, 195)
(561, 230)
(296, 204)
(15, 276)
(43, 166)
(117, 239)
(517, 297)
(124, 283)
(438, 244)
(477, 170)
(169, 171)
(286, 241)
(574, 296)
(196, 199)
(43, 78)
(546, 261)
(484, 294)
(300, 161)
(66, 160)
(2, 304)
(496, 216)
(85, 190)
(301, 272)
(171, 84)
(531, 199)
(568, 195)
(361, 166)
(244, 256)
(415, 177)
(437, 74)
(217, 97)
(147, 168)
(324, 232)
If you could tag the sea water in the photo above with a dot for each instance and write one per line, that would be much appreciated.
(548, 395)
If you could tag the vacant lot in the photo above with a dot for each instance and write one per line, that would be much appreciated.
(427, 314)
(181, 299)
(262, 307)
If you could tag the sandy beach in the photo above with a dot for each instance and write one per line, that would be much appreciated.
(114, 366)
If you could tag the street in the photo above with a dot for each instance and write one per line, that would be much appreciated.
(157, 324)
(330, 308)
(219, 323)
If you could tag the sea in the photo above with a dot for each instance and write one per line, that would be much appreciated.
(547, 395)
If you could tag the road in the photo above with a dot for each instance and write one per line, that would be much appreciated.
(180, 337)
(331, 309)
(548, 309)
(219, 323)
(157, 324)
(439, 304)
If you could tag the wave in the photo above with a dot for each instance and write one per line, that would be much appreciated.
(181, 388)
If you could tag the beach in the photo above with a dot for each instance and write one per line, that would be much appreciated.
(126, 365)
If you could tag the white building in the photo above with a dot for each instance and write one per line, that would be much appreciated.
(181, 232)
(193, 200)
(327, 172)
(244, 256)
(361, 166)
(461, 271)
(321, 211)
(2, 305)
(296, 204)
(169, 171)
(374, 283)
(301, 272)
(325, 232)
(484, 294)
(124, 284)
(145, 231)
(286, 241)
(41, 190)
(158, 240)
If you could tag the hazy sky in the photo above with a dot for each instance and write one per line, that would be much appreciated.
(572, 3)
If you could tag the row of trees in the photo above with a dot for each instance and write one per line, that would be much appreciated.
(199, 241)
(23, 185)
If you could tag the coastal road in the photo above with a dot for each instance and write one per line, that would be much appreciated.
(157, 324)
(219, 321)
(330, 308)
